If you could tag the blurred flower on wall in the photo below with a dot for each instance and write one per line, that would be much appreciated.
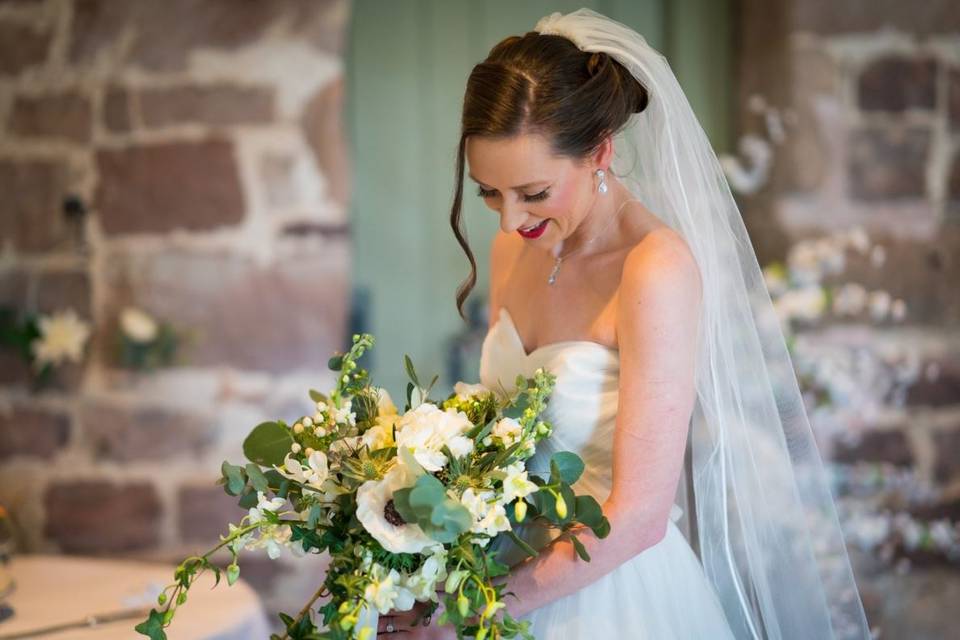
(46, 341)
(146, 343)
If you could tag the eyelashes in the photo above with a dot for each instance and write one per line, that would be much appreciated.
(537, 197)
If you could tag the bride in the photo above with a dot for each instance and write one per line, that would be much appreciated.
(624, 268)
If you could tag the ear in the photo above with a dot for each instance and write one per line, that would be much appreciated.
(603, 156)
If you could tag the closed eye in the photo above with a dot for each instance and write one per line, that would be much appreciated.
(536, 197)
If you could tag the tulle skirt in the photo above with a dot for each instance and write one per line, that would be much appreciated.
(660, 594)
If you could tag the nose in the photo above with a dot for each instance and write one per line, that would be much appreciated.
(512, 217)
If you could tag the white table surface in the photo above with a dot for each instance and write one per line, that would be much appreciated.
(54, 589)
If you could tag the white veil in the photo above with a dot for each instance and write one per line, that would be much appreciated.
(766, 524)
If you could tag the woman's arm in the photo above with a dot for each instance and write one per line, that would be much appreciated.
(657, 319)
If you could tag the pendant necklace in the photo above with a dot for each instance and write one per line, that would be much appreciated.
(558, 259)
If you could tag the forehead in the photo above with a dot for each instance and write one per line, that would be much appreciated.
(512, 161)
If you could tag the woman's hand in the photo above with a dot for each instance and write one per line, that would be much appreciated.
(433, 631)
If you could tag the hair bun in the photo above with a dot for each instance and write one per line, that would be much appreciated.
(595, 62)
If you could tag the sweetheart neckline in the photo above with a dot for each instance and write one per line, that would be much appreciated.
(504, 313)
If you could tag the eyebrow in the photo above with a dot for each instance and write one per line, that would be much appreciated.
(518, 187)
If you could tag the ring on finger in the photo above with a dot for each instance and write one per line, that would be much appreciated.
(390, 628)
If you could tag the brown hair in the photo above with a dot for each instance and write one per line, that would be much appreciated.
(542, 84)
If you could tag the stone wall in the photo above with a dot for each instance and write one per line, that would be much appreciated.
(185, 157)
(869, 92)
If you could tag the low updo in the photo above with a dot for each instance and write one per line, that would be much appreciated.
(545, 85)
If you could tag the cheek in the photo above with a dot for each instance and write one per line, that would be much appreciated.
(561, 204)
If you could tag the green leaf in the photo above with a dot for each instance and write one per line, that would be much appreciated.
(588, 511)
(257, 479)
(335, 363)
(235, 480)
(569, 466)
(316, 396)
(408, 363)
(152, 626)
(249, 499)
(427, 504)
(603, 529)
(267, 444)
(530, 551)
(314, 516)
(581, 550)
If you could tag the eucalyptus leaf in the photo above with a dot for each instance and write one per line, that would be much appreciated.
(257, 479)
(569, 464)
(316, 396)
(235, 480)
(267, 444)
(588, 511)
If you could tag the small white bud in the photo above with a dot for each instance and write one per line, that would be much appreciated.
(308, 421)
(321, 406)
(295, 447)
(308, 451)
(298, 428)
(320, 432)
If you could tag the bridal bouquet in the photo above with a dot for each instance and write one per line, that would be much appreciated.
(406, 504)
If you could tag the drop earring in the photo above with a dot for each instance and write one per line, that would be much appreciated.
(602, 187)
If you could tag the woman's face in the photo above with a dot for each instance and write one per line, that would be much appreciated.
(526, 185)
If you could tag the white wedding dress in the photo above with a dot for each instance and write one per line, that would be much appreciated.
(662, 593)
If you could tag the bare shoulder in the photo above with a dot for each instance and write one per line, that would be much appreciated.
(661, 264)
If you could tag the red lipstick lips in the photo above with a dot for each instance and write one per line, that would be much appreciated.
(535, 232)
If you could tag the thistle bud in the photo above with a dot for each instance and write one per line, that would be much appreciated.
(561, 507)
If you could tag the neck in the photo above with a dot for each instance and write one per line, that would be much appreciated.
(598, 228)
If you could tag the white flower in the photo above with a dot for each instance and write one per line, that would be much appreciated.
(372, 499)
(312, 475)
(386, 591)
(138, 325)
(879, 302)
(488, 514)
(256, 513)
(275, 538)
(898, 309)
(62, 336)
(423, 582)
(507, 430)
(517, 484)
(344, 415)
(466, 391)
(426, 429)
(850, 300)
(807, 303)
(858, 239)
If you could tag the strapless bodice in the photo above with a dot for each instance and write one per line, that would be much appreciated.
(582, 407)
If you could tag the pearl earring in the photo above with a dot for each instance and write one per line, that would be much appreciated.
(602, 187)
